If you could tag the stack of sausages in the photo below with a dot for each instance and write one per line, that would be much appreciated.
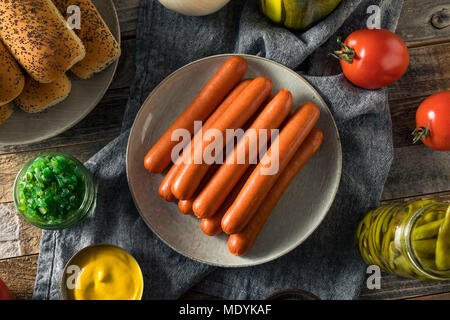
(233, 196)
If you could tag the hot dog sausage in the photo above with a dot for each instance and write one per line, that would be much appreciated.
(164, 188)
(241, 109)
(229, 74)
(211, 225)
(261, 180)
(217, 189)
(185, 206)
(240, 243)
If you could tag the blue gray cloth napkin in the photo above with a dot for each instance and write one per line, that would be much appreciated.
(327, 264)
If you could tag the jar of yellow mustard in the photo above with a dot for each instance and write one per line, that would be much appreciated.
(411, 239)
(102, 272)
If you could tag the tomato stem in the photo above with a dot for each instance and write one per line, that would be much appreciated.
(421, 132)
(346, 53)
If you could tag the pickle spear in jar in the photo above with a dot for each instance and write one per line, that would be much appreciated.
(427, 231)
(410, 239)
(443, 244)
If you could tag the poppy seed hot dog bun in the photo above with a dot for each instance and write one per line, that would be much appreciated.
(11, 77)
(36, 96)
(39, 39)
(102, 49)
(5, 112)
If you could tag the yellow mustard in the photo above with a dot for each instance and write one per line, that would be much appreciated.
(106, 272)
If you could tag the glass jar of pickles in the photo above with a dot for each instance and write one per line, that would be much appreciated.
(410, 239)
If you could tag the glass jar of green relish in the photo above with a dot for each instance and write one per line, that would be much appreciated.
(54, 191)
(411, 239)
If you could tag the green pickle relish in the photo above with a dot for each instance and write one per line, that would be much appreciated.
(54, 191)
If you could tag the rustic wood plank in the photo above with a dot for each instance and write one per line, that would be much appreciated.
(397, 287)
(428, 72)
(414, 26)
(25, 238)
(417, 170)
(443, 296)
(102, 124)
(127, 12)
(440, 196)
(10, 164)
(19, 275)
(126, 67)
(424, 22)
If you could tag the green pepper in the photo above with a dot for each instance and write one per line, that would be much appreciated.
(393, 254)
(402, 266)
(427, 231)
(429, 263)
(424, 248)
(443, 244)
(430, 216)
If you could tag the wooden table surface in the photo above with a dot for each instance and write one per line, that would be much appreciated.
(416, 173)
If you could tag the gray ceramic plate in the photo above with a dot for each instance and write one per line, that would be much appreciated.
(22, 127)
(297, 215)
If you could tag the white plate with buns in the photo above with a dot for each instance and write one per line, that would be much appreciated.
(64, 72)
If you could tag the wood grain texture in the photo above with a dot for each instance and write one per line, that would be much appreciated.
(429, 72)
(126, 67)
(29, 236)
(442, 296)
(424, 22)
(19, 275)
(440, 196)
(397, 287)
(127, 12)
(102, 124)
(416, 26)
(417, 170)
(10, 164)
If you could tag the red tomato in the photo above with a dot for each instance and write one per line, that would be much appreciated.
(433, 121)
(4, 292)
(373, 58)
